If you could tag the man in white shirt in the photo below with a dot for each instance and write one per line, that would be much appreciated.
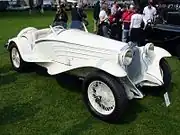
(103, 18)
(149, 13)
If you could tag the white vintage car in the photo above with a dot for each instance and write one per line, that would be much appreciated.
(112, 71)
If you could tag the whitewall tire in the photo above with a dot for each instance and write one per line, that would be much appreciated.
(104, 96)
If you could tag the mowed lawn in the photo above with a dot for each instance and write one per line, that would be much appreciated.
(38, 104)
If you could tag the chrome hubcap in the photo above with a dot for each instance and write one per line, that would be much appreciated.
(101, 97)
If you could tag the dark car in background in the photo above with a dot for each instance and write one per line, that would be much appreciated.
(4, 5)
(164, 30)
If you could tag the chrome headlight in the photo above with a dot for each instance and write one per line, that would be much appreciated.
(126, 57)
(149, 49)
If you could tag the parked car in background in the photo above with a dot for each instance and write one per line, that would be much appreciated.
(164, 30)
(4, 5)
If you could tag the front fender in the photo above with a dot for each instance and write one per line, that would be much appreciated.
(161, 53)
(153, 73)
(111, 68)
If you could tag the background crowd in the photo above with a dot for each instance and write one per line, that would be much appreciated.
(121, 22)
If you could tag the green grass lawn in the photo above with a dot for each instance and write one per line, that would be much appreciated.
(35, 103)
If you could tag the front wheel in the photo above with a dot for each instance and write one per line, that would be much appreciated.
(104, 96)
(166, 72)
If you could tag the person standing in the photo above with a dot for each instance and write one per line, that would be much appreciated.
(77, 15)
(114, 8)
(31, 3)
(149, 12)
(61, 17)
(40, 6)
(96, 15)
(136, 27)
(126, 20)
(103, 24)
(118, 17)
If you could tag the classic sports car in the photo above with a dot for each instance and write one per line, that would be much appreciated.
(113, 71)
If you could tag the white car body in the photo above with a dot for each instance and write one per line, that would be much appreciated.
(60, 50)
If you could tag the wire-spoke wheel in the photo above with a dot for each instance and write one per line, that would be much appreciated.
(101, 97)
(104, 96)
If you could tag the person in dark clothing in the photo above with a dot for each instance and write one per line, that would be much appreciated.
(162, 12)
(40, 6)
(113, 27)
(118, 17)
(78, 16)
(61, 17)
(30, 6)
(96, 15)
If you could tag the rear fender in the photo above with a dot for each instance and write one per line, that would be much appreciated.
(26, 30)
(23, 46)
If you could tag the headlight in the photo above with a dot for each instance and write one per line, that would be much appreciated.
(149, 49)
(126, 57)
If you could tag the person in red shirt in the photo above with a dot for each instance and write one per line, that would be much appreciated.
(112, 18)
(112, 26)
(126, 20)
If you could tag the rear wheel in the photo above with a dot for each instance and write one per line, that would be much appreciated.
(16, 60)
(104, 96)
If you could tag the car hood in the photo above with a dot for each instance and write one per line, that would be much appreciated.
(88, 39)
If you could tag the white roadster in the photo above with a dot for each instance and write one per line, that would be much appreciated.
(113, 71)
